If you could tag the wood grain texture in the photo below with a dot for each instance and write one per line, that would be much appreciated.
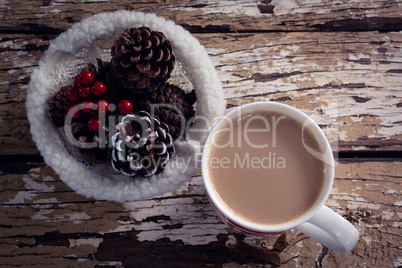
(338, 61)
(54, 16)
(46, 223)
(349, 83)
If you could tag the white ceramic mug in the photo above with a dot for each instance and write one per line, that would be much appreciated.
(319, 222)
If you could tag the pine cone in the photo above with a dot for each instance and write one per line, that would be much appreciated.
(142, 59)
(141, 145)
(58, 106)
(95, 154)
(171, 105)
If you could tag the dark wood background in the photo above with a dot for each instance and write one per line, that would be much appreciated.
(338, 61)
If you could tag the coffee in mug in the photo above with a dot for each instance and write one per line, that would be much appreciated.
(268, 168)
(261, 170)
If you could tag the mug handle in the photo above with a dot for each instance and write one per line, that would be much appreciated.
(331, 230)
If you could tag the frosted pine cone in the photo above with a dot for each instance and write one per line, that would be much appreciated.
(141, 145)
(142, 59)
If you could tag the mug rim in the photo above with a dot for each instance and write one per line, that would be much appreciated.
(271, 228)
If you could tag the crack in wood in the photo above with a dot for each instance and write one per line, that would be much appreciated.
(383, 24)
(156, 218)
(298, 241)
(262, 78)
(323, 254)
(224, 28)
(292, 258)
(360, 99)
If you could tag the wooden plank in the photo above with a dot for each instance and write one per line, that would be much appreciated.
(276, 15)
(44, 223)
(348, 82)
(344, 81)
(19, 54)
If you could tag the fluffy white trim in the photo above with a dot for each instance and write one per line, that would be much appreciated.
(91, 182)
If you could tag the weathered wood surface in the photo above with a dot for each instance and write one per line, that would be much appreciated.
(348, 82)
(338, 61)
(43, 222)
(211, 16)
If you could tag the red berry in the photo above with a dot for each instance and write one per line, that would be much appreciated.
(74, 114)
(103, 107)
(77, 80)
(98, 89)
(84, 92)
(93, 124)
(125, 107)
(87, 106)
(86, 77)
(72, 95)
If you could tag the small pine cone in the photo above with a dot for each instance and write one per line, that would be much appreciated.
(171, 105)
(141, 145)
(98, 152)
(142, 59)
(59, 106)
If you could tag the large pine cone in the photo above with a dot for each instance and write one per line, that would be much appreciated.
(171, 105)
(59, 106)
(141, 145)
(142, 59)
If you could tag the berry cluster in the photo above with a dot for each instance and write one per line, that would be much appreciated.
(88, 101)
(87, 97)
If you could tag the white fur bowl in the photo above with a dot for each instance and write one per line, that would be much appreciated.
(53, 70)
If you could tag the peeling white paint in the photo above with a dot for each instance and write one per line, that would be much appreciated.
(284, 7)
(196, 234)
(195, 225)
(123, 227)
(398, 203)
(360, 205)
(398, 262)
(20, 197)
(45, 213)
(41, 214)
(77, 217)
(285, 53)
(40, 15)
(48, 178)
(358, 148)
(231, 241)
(85, 241)
(360, 56)
(387, 214)
(332, 203)
(372, 226)
(367, 239)
(33, 188)
(397, 224)
(114, 263)
(47, 200)
(39, 187)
